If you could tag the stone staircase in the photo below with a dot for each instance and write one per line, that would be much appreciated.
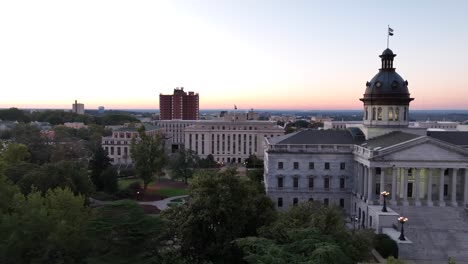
(437, 233)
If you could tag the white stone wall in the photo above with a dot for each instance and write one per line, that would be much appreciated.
(303, 193)
(230, 142)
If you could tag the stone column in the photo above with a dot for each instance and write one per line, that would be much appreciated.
(394, 186)
(356, 180)
(465, 189)
(429, 188)
(382, 184)
(418, 183)
(359, 180)
(366, 176)
(405, 187)
(370, 185)
(454, 187)
(441, 188)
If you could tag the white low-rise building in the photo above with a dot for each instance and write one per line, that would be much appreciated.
(118, 144)
(230, 141)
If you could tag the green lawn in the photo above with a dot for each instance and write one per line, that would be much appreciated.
(124, 183)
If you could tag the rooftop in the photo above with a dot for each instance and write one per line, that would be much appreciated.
(389, 139)
(316, 137)
(454, 137)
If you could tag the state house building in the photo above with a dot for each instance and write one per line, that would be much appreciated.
(426, 172)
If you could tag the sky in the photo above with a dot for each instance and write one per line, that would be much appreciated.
(304, 55)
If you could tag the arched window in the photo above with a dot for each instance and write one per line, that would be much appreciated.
(379, 114)
(367, 113)
(373, 113)
(397, 113)
(404, 114)
(390, 114)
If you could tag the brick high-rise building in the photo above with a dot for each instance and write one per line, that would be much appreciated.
(180, 105)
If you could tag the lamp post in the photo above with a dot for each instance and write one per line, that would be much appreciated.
(402, 220)
(385, 194)
(354, 219)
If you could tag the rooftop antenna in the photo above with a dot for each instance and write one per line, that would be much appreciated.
(390, 33)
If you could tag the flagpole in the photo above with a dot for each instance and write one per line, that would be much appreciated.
(388, 34)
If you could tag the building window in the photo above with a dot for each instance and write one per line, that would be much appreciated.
(445, 189)
(295, 201)
(397, 114)
(296, 165)
(342, 183)
(326, 201)
(280, 165)
(379, 114)
(367, 113)
(280, 202)
(311, 165)
(373, 113)
(327, 165)
(326, 183)
(390, 113)
(342, 203)
(342, 166)
(296, 182)
(280, 182)
(311, 183)
(404, 114)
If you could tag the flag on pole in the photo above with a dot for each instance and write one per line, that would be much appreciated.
(390, 31)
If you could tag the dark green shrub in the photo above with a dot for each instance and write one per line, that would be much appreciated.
(386, 246)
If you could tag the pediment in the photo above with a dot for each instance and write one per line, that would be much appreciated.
(427, 150)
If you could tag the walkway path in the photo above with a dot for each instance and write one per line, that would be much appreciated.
(163, 204)
(160, 204)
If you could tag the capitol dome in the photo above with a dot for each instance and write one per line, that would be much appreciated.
(387, 86)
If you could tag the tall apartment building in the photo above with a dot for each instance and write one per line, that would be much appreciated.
(180, 105)
(78, 108)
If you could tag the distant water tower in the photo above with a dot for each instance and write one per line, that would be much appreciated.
(101, 109)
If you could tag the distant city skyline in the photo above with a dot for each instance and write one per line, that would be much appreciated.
(294, 55)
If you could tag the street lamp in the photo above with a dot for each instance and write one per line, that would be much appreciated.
(402, 220)
(385, 194)
(354, 219)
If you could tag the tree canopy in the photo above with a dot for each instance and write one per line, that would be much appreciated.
(222, 208)
(148, 155)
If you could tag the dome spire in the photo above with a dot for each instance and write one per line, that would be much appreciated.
(387, 59)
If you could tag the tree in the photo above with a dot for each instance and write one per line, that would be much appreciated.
(148, 154)
(7, 192)
(44, 229)
(98, 164)
(30, 135)
(208, 162)
(65, 174)
(14, 114)
(308, 233)
(223, 207)
(184, 164)
(121, 233)
(108, 181)
(253, 162)
(16, 153)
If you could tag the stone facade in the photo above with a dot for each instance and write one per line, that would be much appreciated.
(118, 144)
(230, 141)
